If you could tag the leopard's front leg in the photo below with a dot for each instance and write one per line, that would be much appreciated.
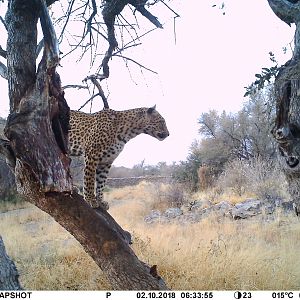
(89, 181)
(101, 176)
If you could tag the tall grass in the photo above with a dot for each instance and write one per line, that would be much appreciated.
(48, 257)
(209, 255)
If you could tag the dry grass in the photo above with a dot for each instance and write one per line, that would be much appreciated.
(215, 196)
(210, 255)
(226, 256)
(47, 257)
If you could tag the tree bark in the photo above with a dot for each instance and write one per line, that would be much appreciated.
(287, 89)
(9, 276)
(36, 149)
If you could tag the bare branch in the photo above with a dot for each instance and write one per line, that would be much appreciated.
(89, 22)
(175, 17)
(39, 47)
(171, 9)
(3, 22)
(109, 13)
(74, 86)
(86, 102)
(50, 40)
(69, 10)
(93, 79)
(3, 70)
(100, 33)
(75, 47)
(134, 61)
(139, 6)
(3, 52)
(126, 47)
(139, 37)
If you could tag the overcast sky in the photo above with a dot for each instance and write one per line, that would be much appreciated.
(214, 58)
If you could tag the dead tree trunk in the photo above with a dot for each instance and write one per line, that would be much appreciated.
(287, 89)
(37, 149)
(9, 276)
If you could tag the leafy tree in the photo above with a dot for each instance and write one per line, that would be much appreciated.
(242, 135)
(260, 110)
(227, 136)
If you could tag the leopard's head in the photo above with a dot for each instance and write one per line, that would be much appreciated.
(155, 124)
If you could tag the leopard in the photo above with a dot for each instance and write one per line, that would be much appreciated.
(100, 137)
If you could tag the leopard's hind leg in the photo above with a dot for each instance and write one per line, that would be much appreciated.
(89, 180)
(101, 177)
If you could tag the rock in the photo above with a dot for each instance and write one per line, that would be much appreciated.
(196, 205)
(223, 205)
(249, 204)
(287, 206)
(170, 214)
(203, 209)
(190, 217)
(153, 216)
(223, 208)
(199, 204)
(247, 208)
(173, 212)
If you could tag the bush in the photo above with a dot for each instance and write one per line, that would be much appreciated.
(263, 178)
(168, 195)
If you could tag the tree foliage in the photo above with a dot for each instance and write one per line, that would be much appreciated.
(229, 136)
(242, 135)
(265, 77)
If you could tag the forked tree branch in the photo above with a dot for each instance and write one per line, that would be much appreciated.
(110, 11)
(93, 79)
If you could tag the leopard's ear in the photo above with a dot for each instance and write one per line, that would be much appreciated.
(151, 109)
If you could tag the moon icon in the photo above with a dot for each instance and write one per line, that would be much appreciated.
(237, 295)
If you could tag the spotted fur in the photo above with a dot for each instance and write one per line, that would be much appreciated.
(100, 137)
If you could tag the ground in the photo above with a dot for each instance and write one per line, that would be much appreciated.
(213, 254)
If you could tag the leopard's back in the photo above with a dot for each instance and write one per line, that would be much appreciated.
(81, 127)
